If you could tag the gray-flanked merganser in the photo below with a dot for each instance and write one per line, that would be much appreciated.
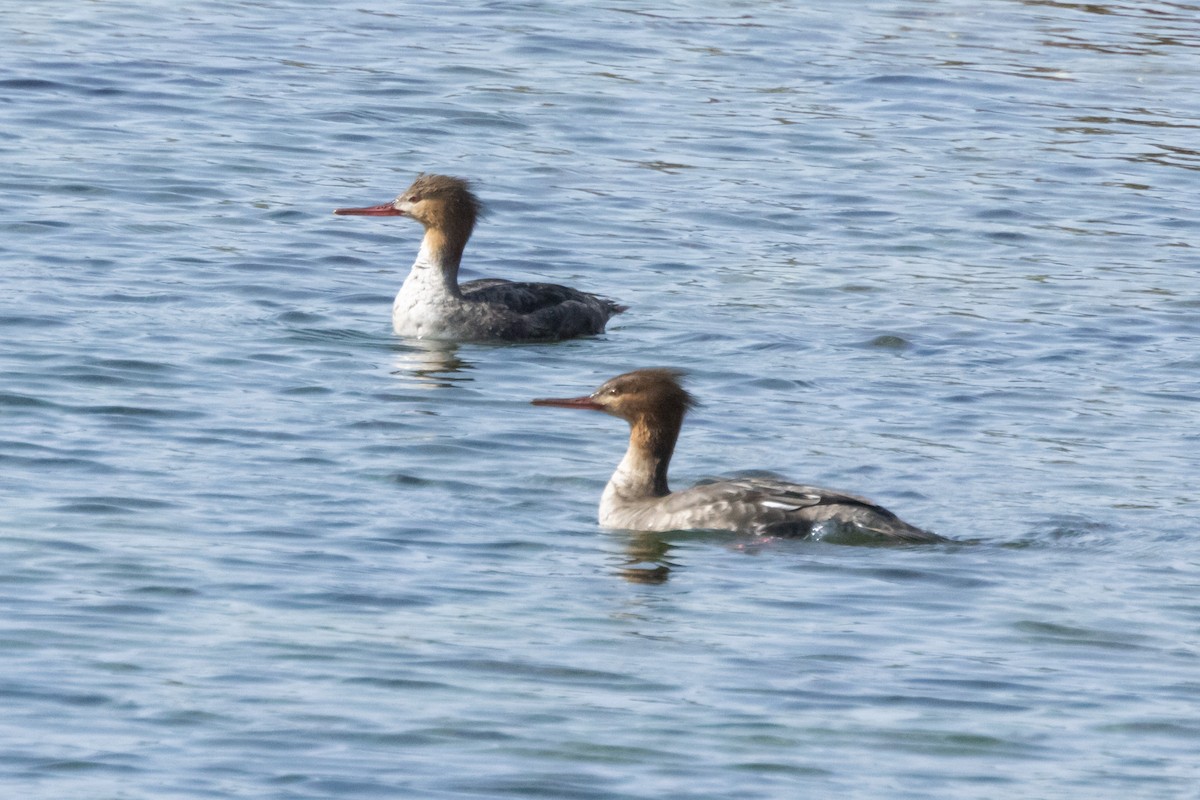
(432, 305)
(654, 402)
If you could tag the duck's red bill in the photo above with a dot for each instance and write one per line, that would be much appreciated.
(569, 402)
(385, 210)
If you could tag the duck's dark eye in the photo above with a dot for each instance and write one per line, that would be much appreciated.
(415, 198)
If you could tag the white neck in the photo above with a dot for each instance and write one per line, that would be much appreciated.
(435, 266)
(429, 292)
(642, 473)
(629, 490)
(639, 474)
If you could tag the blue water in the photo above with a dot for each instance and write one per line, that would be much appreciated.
(943, 254)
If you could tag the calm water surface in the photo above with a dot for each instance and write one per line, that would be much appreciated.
(940, 253)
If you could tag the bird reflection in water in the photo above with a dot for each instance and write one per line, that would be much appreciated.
(432, 365)
(645, 558)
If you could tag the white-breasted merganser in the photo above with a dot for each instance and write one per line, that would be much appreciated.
(654, 403)
(432, 305)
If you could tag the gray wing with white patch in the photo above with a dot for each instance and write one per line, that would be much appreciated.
(779, 508)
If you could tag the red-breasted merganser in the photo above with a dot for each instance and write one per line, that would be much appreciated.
(432, 305)
(654, 403)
